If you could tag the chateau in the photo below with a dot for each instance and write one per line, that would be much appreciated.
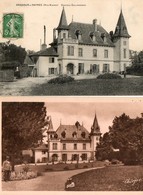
(68, 143)
(80, 48)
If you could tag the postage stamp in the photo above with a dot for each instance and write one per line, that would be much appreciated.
(13, 25)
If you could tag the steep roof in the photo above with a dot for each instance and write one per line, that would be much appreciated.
(73, 132)
(63, 22)
(50, 124)
(41, 147)
(95, 129)
(46, 52)
(28, 60)
(86, 30)
(121, 28)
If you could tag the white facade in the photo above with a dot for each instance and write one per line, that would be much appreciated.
(85, 49)
(68, 143)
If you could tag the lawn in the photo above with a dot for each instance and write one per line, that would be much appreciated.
(126, 86)
(112, 178)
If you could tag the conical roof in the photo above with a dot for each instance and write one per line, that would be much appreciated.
(121, 28)
(95, 129)
(63, 22)
(50, 124)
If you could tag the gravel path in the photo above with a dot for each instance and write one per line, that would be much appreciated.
(50, 181)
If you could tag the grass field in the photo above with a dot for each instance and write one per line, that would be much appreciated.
(126, 86)
(112, 178)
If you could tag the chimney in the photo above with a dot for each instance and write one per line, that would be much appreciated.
(44, 34)
(44, 46)
(95, 25)
(54, 34)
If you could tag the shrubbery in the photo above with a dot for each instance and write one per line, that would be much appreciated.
(22, 175)
(109, 76)
(61, 79)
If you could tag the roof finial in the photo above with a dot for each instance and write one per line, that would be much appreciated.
(121, 5)
(72, 18)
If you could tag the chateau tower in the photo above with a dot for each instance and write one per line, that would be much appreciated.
(121, 41)
(95, 135)
(62, 27)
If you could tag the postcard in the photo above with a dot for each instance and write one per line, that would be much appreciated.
(65, 144)
(71, 47)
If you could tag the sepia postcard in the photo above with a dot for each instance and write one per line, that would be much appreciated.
(86, 144)
(71, 47)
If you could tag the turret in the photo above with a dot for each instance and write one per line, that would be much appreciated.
(63, 26)
(95, 135)
(121, 41)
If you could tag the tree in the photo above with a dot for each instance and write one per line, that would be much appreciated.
(22, 124)
(125, 134)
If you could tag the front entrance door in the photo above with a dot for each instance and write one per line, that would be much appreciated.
(64, 157)
(70, 69)
(95, 68)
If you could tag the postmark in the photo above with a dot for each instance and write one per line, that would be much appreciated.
(13, 25)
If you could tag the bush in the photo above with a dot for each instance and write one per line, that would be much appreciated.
(85, 166)
(66, 168)
(109, 76)
(115, 161)
(22, 175)
(61, 79)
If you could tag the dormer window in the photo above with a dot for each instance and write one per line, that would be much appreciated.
(103, 36)
(55, 136)
(63, 134)
(74, 134)
(92, 36)
(83, 134)
(78, 34)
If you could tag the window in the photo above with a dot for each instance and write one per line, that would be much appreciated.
(70, 50)
(54, 146)
(64, 146)
(64, 35)
(124, 42)
(64, 157)
(97, 138)
(105, 53)
(63, 134)
(51, 71)
(55, 136)
(81, 68)
(83, 134)
(84, 156)
(125, 53)
(80, 52)
(43, 152)
(75, 146)
(51, 60)
(74, 134)
(84, 146)
(106, 68)
(94, 52)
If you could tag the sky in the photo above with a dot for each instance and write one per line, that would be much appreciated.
(38, 13)
(68, 111)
